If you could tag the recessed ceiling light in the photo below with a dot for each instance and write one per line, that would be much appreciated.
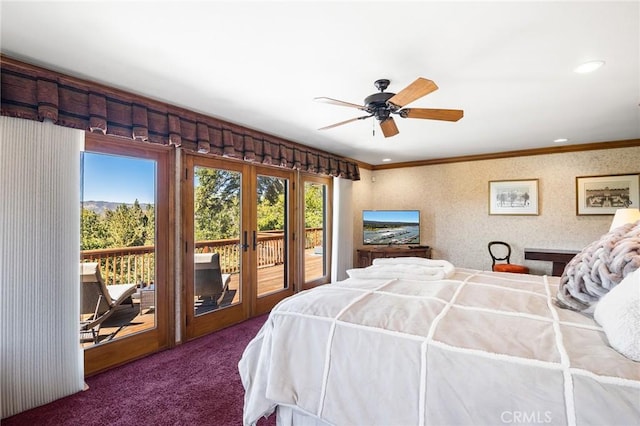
(588, 67)
(561, 140)
(386, 160)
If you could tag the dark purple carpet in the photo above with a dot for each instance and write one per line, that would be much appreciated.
(196, 383)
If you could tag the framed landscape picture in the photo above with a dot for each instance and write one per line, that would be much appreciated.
(513, 197)
(605, 194)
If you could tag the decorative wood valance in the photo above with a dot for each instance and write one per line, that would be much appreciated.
(35, 93)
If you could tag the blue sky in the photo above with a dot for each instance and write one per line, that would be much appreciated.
(116, 178)
(392, 215)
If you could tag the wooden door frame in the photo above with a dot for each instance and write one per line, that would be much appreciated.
(328, 181)
(192, 326)
(263, 304)
(123, 350)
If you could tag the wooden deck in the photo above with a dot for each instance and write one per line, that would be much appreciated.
(129, 320)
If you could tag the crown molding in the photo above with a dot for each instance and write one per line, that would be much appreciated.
(507, 154)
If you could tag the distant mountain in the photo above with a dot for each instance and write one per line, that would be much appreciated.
(100, 207)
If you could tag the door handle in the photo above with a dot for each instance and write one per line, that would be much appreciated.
(255, 241)
(245, 245)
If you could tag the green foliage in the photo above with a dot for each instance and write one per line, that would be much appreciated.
(216, 212)
(150, 225)
(217, 204)
(271, 203)
(313, 205)
(271, 214)
(126, 226)
(270, 189)
(93, 232)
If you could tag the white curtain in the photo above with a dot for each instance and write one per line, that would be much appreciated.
(342, 239)
(40, 354)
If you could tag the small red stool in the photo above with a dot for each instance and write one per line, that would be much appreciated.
(504, 267)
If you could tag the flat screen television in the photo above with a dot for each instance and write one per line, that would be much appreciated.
(390, 227)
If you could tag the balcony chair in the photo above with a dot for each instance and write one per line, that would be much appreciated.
(210, 283)
(98, 301)
(145, 297)
(496, 250)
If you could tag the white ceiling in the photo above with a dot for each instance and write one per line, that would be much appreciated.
(508, 65)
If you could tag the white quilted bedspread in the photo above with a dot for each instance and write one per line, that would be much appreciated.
(480, 348)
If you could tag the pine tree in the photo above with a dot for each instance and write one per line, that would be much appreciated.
(93, 233)
(126, 226)
(150, 225)
(217, 204)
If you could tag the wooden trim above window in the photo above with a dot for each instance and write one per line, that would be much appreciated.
(36, 93)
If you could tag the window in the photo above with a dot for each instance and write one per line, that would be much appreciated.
(125, 193)
(317, 230)
(117, 233)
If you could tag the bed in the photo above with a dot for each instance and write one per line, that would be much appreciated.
(454, 346)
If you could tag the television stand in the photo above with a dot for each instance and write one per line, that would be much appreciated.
(365, 256)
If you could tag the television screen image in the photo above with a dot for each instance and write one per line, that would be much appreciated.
(391, 227)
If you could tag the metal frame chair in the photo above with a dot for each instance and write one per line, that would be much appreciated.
(210, 283)
(98, 300)
(504, 267)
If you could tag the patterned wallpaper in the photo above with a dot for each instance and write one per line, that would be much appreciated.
(453, 200)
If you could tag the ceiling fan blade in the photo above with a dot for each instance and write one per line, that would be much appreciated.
(389, 127)
(433, 114)
(344, 122)
(341, 103)
(415, 90)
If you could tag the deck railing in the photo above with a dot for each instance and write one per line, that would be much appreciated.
(124, 264)
(137, 264)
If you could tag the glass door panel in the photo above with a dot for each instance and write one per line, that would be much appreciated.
(125, 217)
(216, 249)
(315, 250)
(118, 230)
(315, 247)
(217, 230)
(271, 239)
(237, 241)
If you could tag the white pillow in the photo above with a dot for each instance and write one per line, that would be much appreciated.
(400, 271)
(618, 312)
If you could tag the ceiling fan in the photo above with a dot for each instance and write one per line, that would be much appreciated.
(381, 105)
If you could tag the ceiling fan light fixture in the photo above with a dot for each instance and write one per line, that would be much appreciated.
(588, 67)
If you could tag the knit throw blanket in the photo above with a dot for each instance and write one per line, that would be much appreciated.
(599, 267)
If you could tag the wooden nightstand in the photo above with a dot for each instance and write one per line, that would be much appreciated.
(365, 256)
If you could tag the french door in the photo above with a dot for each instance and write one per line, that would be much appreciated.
(237, 221)
(126, 190)
(315, 225)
